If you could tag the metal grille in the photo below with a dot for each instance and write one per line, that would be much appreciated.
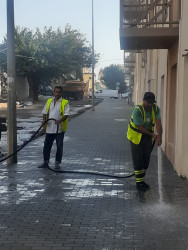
(149, 13)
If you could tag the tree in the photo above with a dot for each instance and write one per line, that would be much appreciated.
(113, 74)
(44, 56)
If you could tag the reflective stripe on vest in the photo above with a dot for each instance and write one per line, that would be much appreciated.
(64, 102)
(133, 133)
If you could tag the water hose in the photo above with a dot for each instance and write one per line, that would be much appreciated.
(91, 173)
(64, 171)
(25, 143)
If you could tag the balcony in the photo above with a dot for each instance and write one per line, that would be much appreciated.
(149, 24)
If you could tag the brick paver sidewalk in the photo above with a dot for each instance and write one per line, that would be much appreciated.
(41, 209)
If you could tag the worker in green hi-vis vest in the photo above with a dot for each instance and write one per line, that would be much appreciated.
(55, 108)
(142, 136)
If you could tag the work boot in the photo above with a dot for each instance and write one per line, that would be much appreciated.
(57, 165)
(44, 165)
(142, 186)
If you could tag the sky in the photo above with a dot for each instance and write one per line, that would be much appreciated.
(78, 13)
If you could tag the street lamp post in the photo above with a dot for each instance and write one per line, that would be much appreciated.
(93, 61)
(11, 73)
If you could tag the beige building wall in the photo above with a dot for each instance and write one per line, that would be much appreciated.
(166, 74)
(153, 75)
(162, 88)
(137, 80)
(171, 104)
(87, 75)
(87, 78)
(145, 75)
(181, 160)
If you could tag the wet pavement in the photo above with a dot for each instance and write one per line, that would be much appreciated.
(29, 118)
(41, 209)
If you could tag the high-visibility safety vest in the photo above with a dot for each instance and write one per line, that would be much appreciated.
(64, 102)
(133, 134)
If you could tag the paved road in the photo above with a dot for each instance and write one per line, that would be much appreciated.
(44, 210)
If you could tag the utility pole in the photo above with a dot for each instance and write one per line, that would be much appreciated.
(11, 73)
(93, 61)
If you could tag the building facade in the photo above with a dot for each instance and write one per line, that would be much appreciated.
(155, 31)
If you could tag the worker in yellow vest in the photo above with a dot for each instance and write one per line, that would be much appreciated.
(58, 109)
(142, 137)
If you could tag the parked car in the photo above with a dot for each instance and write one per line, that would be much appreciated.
(125, 95)
(108, 93)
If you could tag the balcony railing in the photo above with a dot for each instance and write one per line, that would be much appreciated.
(149, 24)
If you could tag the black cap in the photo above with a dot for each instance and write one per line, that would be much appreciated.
(149, 97)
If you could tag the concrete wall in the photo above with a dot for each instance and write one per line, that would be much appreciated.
(22, 87)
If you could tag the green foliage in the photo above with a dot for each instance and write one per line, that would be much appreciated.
(113, 74)
(3, 56)
(42, 56)
(26, 51)
(55, 52)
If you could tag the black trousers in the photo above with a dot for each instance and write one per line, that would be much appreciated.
(48, 142)
(141, 156)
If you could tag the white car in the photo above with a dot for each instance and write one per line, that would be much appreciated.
(125, 95)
